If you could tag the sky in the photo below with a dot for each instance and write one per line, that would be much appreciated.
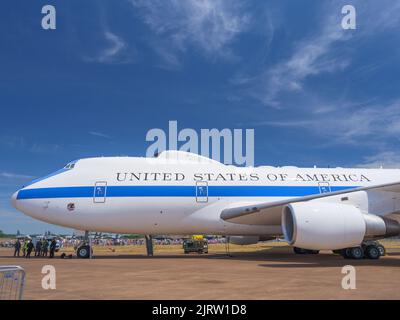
(314, 93)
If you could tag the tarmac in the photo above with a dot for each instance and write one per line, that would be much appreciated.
(267, 272)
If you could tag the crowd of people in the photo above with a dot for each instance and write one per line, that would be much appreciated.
(132, 242)
(42, 248)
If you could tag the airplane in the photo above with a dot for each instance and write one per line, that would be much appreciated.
(340, 209)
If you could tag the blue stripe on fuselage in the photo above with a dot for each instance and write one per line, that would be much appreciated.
(175, 191)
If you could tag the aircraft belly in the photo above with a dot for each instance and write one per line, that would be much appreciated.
(141, 215)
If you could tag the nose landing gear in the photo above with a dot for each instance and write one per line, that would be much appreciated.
(83, 252)
(84, 249)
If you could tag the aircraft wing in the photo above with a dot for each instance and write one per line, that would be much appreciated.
(269, 213)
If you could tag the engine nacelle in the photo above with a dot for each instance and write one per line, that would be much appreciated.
(319, 225)
(244, 240)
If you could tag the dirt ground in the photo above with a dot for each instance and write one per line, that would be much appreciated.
(263, 271)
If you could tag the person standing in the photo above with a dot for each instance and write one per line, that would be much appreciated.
(38, 248)
(24, 248)
(17, 248)
(29, 249)
(53, 245)
(45, 246)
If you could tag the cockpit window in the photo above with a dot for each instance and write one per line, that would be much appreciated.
(70, 165)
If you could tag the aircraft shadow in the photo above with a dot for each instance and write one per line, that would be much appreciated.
(272, 259)
(268, 258)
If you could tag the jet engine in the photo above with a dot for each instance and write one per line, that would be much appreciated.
(319, 225)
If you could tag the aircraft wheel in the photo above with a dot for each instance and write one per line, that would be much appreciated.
(83, 252)
(373, 252)
(356, 253)
(346, 253)
(381, 249)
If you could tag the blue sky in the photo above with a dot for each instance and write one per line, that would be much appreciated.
(112, 70)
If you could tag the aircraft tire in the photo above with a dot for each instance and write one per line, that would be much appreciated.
(345, 253)
(373, 252)
(382, 250)
(83, 252)
(356, 253)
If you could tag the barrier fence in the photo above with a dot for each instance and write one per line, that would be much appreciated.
(12, 282)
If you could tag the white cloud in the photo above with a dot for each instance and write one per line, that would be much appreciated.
(11, 175)
(372, 124)
(210, 25)
(12, 141)
(354, 124)
(21, 143)
(380, 15)
(385, 159)
(99, 134)
(116, 50)
(44, 148)
(116, 46)
(310, 57)
(321, 53)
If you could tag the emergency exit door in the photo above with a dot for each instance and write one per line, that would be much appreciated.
(201, 191)
(100, 192)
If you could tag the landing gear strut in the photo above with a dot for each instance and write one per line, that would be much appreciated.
(149, 245)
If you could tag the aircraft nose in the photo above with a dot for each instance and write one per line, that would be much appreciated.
(14, 199)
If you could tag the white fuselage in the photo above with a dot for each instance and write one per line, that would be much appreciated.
(169, 196)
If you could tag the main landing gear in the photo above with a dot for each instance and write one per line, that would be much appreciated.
(368, 249)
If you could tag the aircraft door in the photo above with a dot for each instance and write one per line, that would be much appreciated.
(100, 192)
(201, 191)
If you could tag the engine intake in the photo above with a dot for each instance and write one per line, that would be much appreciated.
(318, 225)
